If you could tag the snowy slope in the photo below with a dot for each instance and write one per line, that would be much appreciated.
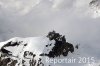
(33, 44)
(33, 51)
(50, 50)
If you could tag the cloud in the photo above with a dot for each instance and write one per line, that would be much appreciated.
(39, 17)
(18, 6)
(62, 4)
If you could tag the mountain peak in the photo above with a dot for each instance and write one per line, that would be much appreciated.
(32, 51)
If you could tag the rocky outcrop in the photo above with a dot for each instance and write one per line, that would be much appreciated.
(61, 46)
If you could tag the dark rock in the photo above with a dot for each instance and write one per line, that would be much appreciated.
(61, 46)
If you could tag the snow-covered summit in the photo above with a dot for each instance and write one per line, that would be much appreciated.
(32, 51)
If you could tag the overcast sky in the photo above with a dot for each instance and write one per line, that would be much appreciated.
(73, 18)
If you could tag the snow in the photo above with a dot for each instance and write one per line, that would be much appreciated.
(37, 45)
(34, 44)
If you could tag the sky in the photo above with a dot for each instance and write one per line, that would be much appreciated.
(75, 19)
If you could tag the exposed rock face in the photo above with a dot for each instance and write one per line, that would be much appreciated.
(95, 6)
(57, 47)
(95, 2)
(61, 47)
(7, 61)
